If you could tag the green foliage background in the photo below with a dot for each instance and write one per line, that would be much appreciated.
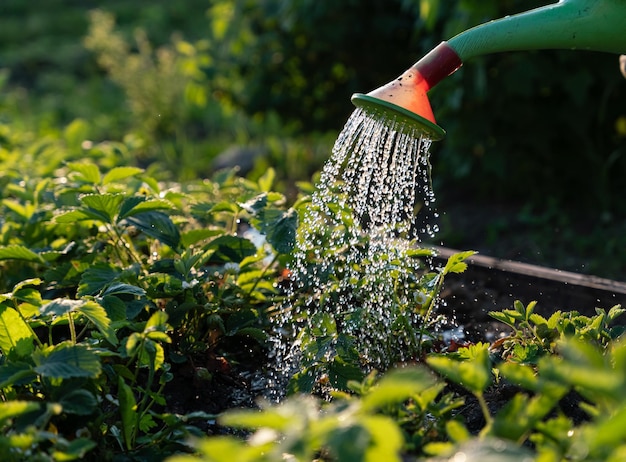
(543, 130)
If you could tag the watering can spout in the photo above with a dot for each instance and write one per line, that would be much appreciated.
(597, 25)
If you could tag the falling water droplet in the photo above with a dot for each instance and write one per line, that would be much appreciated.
(372, 204)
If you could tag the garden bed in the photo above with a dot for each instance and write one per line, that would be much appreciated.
(492, 284)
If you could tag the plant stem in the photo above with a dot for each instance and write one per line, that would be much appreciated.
(72, 327)
(32, 332)
(485, 410)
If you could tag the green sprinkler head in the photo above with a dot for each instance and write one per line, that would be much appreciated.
(569, 24)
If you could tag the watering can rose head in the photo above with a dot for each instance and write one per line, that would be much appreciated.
(596, 25)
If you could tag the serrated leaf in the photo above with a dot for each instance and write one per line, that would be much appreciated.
(456, 263)
(257, 334)
(78, 402)
(119, 288)
(156, 225)
(397, 386)
(19, 252)
(266, 180)
(120, 173)
(256, 204)
(16, 373)
(615, 311)
(230, 249)
(106, 204)
(115, 308)
(89, 173)
(194, 236)
(15, 335)
(98, 316)
(60, 307)
(138, 204)
(67, 361)
(96, 278)
(223, 206)
(280, 229)
(79, 215)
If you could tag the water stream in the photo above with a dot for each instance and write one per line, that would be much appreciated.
(358, 271)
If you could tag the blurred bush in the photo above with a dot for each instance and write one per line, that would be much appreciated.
(531, 127)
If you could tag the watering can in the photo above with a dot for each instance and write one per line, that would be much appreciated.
(597, 25)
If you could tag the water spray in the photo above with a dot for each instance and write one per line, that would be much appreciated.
(596, 25)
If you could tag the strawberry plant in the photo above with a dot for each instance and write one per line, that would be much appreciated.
(112, 280)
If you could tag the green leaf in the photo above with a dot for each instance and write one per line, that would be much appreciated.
(79, 215)
(158, 321)
(280, 229)
(397, 386)
(10, 410)
(120, 288)
(78, 402)
(456, 263)
(95, 278)
(120, 173)
(66, 361)
(98, 316)
(19, 252)
(194, 236)
(128, 412)
(88, 173)
(266, 180)
(75, 450)
(60, 307)
(138, 204)
(230, 249)
(474, 374)
(255, 205)
(106, 204)
(156, 225)
(16, 373)
(15, 335)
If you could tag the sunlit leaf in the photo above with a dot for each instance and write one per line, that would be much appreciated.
(98, 316)
(18, 252)
(75, 450)
(398, 385)
(16, 408)
(456, 263)
(266, 180)
(60, 306)
(194, 236)
(15, 335)
(88, 173)
(106, 204)
(79, 215)
(120, 173)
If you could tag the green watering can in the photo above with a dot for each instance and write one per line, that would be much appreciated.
(598, 25)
